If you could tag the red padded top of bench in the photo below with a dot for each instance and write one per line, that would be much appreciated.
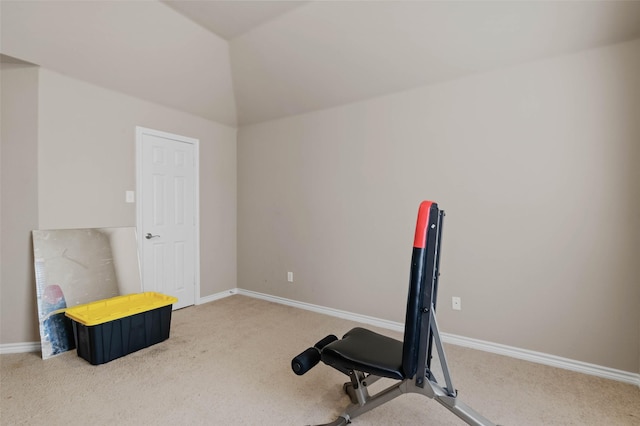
(420, 240)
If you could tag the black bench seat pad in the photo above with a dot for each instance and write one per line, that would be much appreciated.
(366, 351)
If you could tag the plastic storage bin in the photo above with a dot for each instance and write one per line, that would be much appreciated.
(111, 328)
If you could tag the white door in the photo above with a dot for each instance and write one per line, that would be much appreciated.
(167, 214)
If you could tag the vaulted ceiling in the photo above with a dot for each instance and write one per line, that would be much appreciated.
(286, 58)
(229, 19)
(320, 54)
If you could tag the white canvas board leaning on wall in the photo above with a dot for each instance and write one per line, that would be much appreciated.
(76, 266)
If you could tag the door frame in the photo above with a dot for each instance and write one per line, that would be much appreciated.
(140, 131)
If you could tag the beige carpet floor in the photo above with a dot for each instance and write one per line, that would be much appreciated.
(228, 363)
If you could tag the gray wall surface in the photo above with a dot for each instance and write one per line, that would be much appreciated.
(77, 171)
(19, 201)
(536, 167)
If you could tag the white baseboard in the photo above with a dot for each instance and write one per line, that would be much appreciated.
(17, 348)
(542, 358)
(217, 296)
(389, 325)
(496, 348)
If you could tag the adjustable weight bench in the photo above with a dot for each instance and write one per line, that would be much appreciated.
(366, 356)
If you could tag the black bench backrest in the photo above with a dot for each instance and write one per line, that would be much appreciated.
(422, 290)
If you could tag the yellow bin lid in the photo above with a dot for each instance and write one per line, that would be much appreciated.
(102, 311)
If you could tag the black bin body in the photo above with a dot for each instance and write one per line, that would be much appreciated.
(105, 342)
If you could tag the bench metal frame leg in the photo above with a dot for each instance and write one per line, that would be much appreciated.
(431, 390)
(362, 401)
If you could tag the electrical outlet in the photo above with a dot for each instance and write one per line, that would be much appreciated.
(290, 277)
(456, 303)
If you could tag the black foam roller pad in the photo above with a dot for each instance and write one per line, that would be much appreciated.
(324, 342)
(305, 361)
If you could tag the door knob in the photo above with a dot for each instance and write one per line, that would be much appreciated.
(149, 236)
